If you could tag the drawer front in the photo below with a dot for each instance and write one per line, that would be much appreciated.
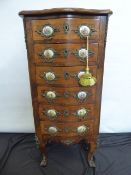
(64, 54)
(66, 96)
(66, 28)
(61, 76)
(67, 140)
(70, 129)
(68, 113)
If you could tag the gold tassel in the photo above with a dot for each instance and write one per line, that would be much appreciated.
(87, 79)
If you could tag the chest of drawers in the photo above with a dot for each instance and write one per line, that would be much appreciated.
(64, 111)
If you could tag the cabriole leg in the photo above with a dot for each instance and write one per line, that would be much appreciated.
(44, 158)
(91, 150)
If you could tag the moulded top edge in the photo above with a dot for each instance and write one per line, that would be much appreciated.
(66, 11)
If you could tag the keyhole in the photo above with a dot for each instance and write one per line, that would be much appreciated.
(66, 75)
(66, 27)
(66, 52)
(66, 113)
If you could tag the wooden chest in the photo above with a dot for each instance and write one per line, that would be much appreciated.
(65, 111)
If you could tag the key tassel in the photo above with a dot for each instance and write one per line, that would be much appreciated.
(86, 79)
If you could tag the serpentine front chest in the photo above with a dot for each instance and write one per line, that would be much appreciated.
(56, 39)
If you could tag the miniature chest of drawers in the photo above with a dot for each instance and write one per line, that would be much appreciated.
(64, 111)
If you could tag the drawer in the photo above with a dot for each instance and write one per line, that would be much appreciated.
(66, 29)
(68, 140)
(67, 113)
(61, 76)
(66, 96)
(64, 54)
(70, 129)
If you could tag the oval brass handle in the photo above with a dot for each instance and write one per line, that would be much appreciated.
(82, 95)
(83, 53)
(49, 95)
(84, 30)
(48, 54)
(47, 30)
(49, 76)
(82, 112)
(52, 130)
(81, 130)
(51, 113)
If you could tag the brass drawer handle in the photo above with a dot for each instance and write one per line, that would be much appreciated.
(82, 54)
(47, 55)
(47, 30)
(82, 113)
(85, 30)
(49, 76)
(51, 113)
(81, 130)
(82, 95)
(52, 130)
(76, 75)
(50, 95)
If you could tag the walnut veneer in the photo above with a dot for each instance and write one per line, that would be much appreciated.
(64, 111)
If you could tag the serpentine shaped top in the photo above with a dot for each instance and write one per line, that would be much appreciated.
(56, 11)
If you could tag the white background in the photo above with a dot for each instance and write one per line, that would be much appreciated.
(15, 100)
